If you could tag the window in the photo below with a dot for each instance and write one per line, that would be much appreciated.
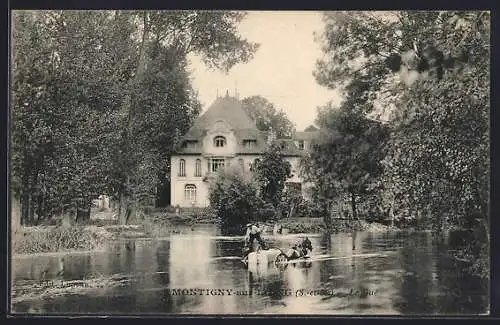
(197, 171)
(219, 142)
(182, 167)
(190, 192)
(301, 144)
(241, 164)
(249, 143)
(215, 163)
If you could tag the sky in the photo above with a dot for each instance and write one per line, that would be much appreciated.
(281, 70)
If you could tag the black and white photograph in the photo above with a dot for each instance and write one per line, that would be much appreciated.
(216, 162)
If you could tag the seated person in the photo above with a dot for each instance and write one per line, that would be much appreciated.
(299, 248)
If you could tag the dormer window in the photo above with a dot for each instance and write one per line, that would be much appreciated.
(249, 143)
(219, 142)
(190, 144)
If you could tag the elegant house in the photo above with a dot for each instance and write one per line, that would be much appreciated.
(226, 135)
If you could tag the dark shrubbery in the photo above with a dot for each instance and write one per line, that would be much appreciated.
(265, 212)
(234, 199)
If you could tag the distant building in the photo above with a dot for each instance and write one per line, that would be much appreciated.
(225, 135)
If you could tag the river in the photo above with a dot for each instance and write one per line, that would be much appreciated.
(200, 272)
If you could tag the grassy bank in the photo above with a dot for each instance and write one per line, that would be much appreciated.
(44, 239)
(95, 234)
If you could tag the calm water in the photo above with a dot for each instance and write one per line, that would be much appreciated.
(386, 274)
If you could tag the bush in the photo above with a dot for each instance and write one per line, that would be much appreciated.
(308, 209)
(300, 228)
(266, 212)
(167, 209)
(233, 198)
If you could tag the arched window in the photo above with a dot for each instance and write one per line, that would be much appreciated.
(190, 192)
(219, 141)
(182, 167)
(197, 171)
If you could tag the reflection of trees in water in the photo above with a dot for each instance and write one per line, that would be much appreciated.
(162, 261)
(231, 230)
(418, 282)
(325, 243)
(462, 291)
(275, 288)
(163, 265)
(228, 247)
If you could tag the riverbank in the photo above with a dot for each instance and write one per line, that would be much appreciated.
(315, 225)
(96, 235)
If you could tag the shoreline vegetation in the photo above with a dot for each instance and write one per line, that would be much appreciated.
(95, 234)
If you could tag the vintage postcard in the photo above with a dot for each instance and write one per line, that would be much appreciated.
(250, 163)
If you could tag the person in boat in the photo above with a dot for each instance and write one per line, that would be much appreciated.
(253, 232)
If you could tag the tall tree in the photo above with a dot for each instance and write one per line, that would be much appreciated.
(59, 136)
(95, 95)
(430, 71)
(272, 172)
(267, 116)
(346, 160)
(214, 36)
(420, 64)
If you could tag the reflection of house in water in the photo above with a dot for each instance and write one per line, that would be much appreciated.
(190, 258)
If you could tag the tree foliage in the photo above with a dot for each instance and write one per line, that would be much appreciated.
(234, 197)
(426, 76)
(238, 197)
(272, 172)
(346, 160)
(267, 116)
(95, 96)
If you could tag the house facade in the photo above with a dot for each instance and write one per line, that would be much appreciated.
(225, 135)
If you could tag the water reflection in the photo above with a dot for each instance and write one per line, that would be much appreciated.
(413, 274)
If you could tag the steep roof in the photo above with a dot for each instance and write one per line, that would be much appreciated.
(225, 108)
(231, 111)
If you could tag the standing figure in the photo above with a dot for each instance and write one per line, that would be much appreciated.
(253, 232)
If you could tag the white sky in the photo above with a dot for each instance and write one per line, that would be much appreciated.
(281, 70)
